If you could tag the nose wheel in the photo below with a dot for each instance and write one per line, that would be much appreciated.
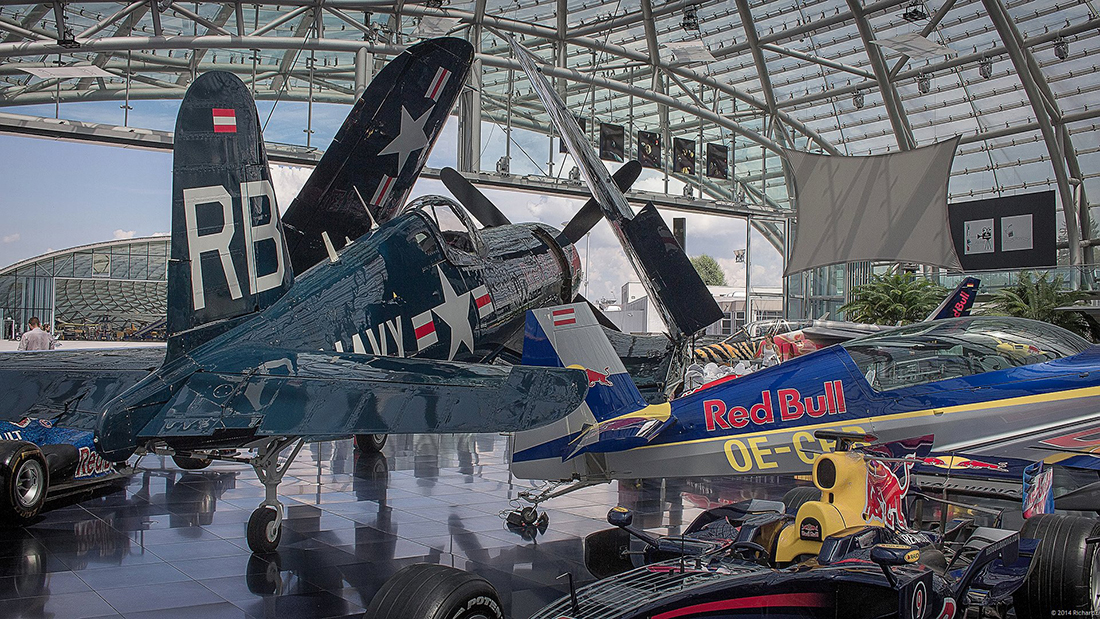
(265, 526)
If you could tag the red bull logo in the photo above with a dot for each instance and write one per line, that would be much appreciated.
(886, 490)
(958, 462)
(599, 378)
(789, 403)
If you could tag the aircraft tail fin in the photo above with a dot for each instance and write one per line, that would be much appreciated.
(375, 158)
(570, 336)
(228, 256)
(959, 302)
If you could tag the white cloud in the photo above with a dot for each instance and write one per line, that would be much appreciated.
(11, 238)
(124, 234)
(288, 181)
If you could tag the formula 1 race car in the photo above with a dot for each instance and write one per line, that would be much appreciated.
(40, 463)
(844, 552)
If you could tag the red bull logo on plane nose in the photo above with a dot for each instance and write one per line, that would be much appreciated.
(599, 378)
(788, 403)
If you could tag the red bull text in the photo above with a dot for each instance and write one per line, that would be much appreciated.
(789, 403)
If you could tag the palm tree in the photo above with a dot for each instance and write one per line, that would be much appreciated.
(893, 298)
(1038, 298)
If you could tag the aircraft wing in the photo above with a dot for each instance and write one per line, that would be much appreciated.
(377, 155)
(621, 433)
(313, 394)
(69, 387)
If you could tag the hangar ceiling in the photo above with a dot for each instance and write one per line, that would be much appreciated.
(1017, 79)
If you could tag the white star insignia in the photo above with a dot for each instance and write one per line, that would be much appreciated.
(455, 311)
(410, 139)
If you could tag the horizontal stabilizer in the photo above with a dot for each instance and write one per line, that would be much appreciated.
(313, 394)
(68, 387)
(627, 432)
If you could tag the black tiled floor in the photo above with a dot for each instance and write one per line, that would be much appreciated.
(172, 544)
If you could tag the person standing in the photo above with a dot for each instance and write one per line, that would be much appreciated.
(36, 338)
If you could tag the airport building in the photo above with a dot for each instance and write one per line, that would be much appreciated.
(105, 291)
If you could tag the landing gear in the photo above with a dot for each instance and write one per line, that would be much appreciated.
(370, 443)
(265, 526)
(529, 516)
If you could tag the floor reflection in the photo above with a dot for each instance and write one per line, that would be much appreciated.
(172, 542)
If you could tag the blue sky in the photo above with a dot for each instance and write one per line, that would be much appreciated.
(60, 194)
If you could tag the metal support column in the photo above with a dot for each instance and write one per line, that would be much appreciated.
(1013, 42)
(898, 119)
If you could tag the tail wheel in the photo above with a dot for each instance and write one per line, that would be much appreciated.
(1065, 571)
(370, 443)
(25, 479)
(430, 591)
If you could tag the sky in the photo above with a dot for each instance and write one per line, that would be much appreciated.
(57, 195)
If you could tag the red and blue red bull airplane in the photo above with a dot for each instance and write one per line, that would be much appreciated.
(991, 389)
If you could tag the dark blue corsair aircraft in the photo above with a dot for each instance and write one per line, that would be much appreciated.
(286, 331)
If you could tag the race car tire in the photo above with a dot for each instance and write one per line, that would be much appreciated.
(370, 443)
(191, 464)
(1065, 571)
(24, 481)
(430, 591)
(796, 496)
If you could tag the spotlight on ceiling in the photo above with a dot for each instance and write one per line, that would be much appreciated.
(985, 68)
(504, 167)
(924, 83)
(857, 99)
(1061, 48)
(915, 12)
(691, 18)
(689, 192)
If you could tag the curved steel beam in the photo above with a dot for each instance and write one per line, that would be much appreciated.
(890, 99)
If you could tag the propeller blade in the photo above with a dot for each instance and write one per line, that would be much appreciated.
(475, 202)
(590, 213)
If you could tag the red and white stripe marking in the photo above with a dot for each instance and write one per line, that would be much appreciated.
(383, 190)
(225, 121)
(440, 80)
(483, 301)
(424, 329)
(563, 317)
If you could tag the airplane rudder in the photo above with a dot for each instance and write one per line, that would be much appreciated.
(228, 254)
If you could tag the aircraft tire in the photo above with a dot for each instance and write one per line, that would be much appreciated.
(370, 443)
(263, 536)
(798, 495)
(191, 464)
(1065, 571)
(24, 481)
(431, 591)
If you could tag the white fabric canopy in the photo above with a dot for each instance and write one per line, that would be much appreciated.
(886, 207)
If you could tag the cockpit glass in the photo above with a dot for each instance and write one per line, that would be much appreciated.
(932, 351)
(456, 230)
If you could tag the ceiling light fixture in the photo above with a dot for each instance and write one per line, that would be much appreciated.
(915, 12)
(1061, 48)
(691, 18)
(857, 99)
(924, 83)
(985, 68)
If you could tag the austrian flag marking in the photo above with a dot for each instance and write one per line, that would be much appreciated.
(225, 121)
(438, 82)
(424, 330)
(564, 317)
(483, 301)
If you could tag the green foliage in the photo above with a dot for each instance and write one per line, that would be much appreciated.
(893, 298)
(1037, 298)
(709, 270)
